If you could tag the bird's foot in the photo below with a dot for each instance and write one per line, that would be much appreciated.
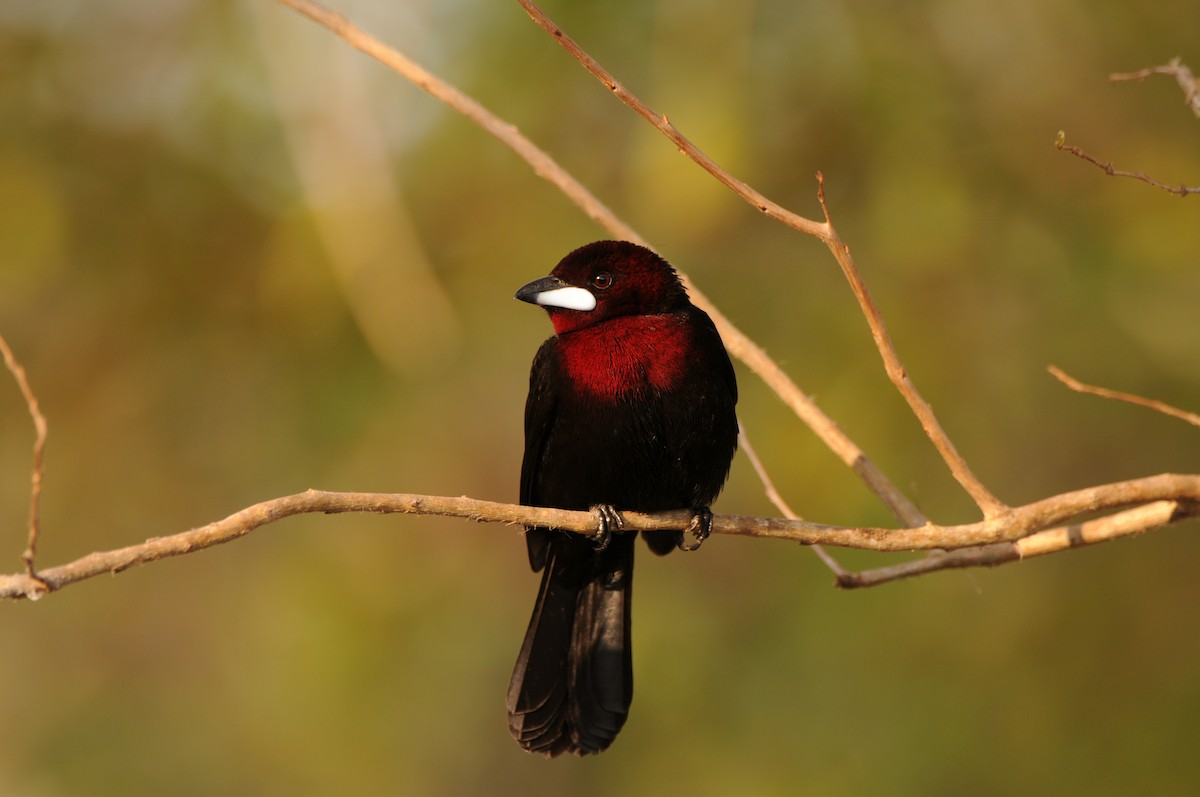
(609, 520)
(698, 530)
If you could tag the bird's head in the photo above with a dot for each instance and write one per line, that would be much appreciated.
(604, 280)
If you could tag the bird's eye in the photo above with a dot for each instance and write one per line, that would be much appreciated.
(602, 280)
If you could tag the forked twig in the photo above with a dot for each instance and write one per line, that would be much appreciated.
(1138, 520)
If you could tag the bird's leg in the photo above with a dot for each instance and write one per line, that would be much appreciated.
(698, 529)
(610, 520)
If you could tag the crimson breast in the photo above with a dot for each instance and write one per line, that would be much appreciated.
(626, 354)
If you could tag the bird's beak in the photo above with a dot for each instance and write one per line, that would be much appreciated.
(553, 292)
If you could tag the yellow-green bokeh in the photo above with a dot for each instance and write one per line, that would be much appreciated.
(239, 259)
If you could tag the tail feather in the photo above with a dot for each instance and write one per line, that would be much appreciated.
(573, 681)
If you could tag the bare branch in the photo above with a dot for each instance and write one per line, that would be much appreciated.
(1017, 523)
(1117, 395)
(39, 450)
(1187, 81)
(1138, 520)
(824, 231)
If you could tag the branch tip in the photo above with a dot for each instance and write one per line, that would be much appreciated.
(1118, 395)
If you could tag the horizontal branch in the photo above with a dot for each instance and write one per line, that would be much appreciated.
(1017, 523)
(1139, 520)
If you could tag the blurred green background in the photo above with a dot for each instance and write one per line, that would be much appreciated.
(239, 259)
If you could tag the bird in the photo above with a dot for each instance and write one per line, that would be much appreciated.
(631, 406)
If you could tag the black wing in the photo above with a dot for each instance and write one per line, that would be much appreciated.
(725, 366)
(541, 410)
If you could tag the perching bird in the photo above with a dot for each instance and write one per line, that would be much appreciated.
(631, 406)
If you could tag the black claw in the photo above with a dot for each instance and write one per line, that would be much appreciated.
(699, 529)
(610, 520)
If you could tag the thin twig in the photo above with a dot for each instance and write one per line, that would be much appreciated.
(776, 498)
(1019, 522)
(1177, 69)
(1117, 395)
(39, 450)
(1106, 166)
(824, 231)
(737, 342)
(660, 121)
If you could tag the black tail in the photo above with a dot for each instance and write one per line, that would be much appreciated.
(573, 681)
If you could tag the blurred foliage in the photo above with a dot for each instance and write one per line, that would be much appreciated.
(239, 259)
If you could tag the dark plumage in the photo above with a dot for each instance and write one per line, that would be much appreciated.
(631, 405)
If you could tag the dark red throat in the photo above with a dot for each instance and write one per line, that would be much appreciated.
(627, 354)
